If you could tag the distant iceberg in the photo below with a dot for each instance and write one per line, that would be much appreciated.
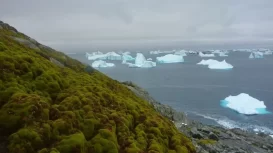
(214, 64)
(256, 55)
(127, 57)
(149, 59)
(101, 56)
(268, 52)
(101, 63)
(141, 62)
(170, 58)
(222, 54)
(181, 53)
(205, 55)
(245, 104)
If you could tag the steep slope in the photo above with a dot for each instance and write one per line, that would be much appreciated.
(51, 103)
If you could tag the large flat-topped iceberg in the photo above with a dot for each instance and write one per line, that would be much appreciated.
(205, 55)
(141, 62)
(101, 63)
(222, 54)
(170, 58)
(245, 104)
(256, 55)
(214, 64)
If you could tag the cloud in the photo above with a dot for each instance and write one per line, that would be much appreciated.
(87, 21)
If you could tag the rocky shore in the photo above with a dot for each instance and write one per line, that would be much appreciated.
(207, 138)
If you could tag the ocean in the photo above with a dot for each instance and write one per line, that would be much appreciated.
(197, 90)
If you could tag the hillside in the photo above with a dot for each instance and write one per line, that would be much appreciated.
(51, 103)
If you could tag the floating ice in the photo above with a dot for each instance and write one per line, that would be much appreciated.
(170, 58)
(205, 55)
(181, 53)
(222, 54)
(268, 52)
(141, 62)
(256, 55)
(245, 104)
(127, 57)
(214, 64)
(101, 56)
(271, 136)
(207, 62)
(149, 59)
(101, 63)
(220, 65)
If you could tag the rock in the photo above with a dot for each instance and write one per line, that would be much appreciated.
(26, 43)
(195, 134)
(205, 129)
(213, 136)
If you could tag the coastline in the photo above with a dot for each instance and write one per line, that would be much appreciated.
(209, 138)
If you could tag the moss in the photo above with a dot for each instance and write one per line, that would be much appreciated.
(25, 141)
(207, 141)
(63, 104)
(73, 143)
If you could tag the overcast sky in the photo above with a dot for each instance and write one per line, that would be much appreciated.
(68, 24)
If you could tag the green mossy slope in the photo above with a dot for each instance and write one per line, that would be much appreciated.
(49, 108)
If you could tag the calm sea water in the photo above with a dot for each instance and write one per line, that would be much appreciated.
(198, 90)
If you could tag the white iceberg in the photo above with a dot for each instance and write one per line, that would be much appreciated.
(256, 55)
(141, 62)
(101, 63)
(214, 64)
(181, 53)
(170, 58)
(245, 104)
(113, 56)
(268, 52)
(220, 65)
(222, 54)
(205, 55)
(149, 59)
(207, 62)
(100, 56)
(127, 57)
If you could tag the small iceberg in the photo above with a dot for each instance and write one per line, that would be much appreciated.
(220, 65)
(222, 54)
(205, 55)
(101, 63)
(149, 59)
(113, 56)
(181, 53)
(256, 55)
(141, 62)
(170, 58)
(245, 104)
(214, 64)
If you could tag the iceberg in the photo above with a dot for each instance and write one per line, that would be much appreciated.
(141, 62)
(181, 53)
(256, 55)
(207, 62)
(214, 64)
(222, 54)
(245, 104)
(170, 58)
(101, 56)
(101, 63)
(127, 57)
(268, 53)
(220, 65)
(113, 56)
(205, 55)
(149, 59)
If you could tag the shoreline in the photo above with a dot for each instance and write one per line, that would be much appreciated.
(210, 138)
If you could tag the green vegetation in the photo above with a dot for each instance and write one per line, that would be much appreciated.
(207, 141)
(48, 108)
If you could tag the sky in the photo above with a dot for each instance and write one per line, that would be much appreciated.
(71, 25)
